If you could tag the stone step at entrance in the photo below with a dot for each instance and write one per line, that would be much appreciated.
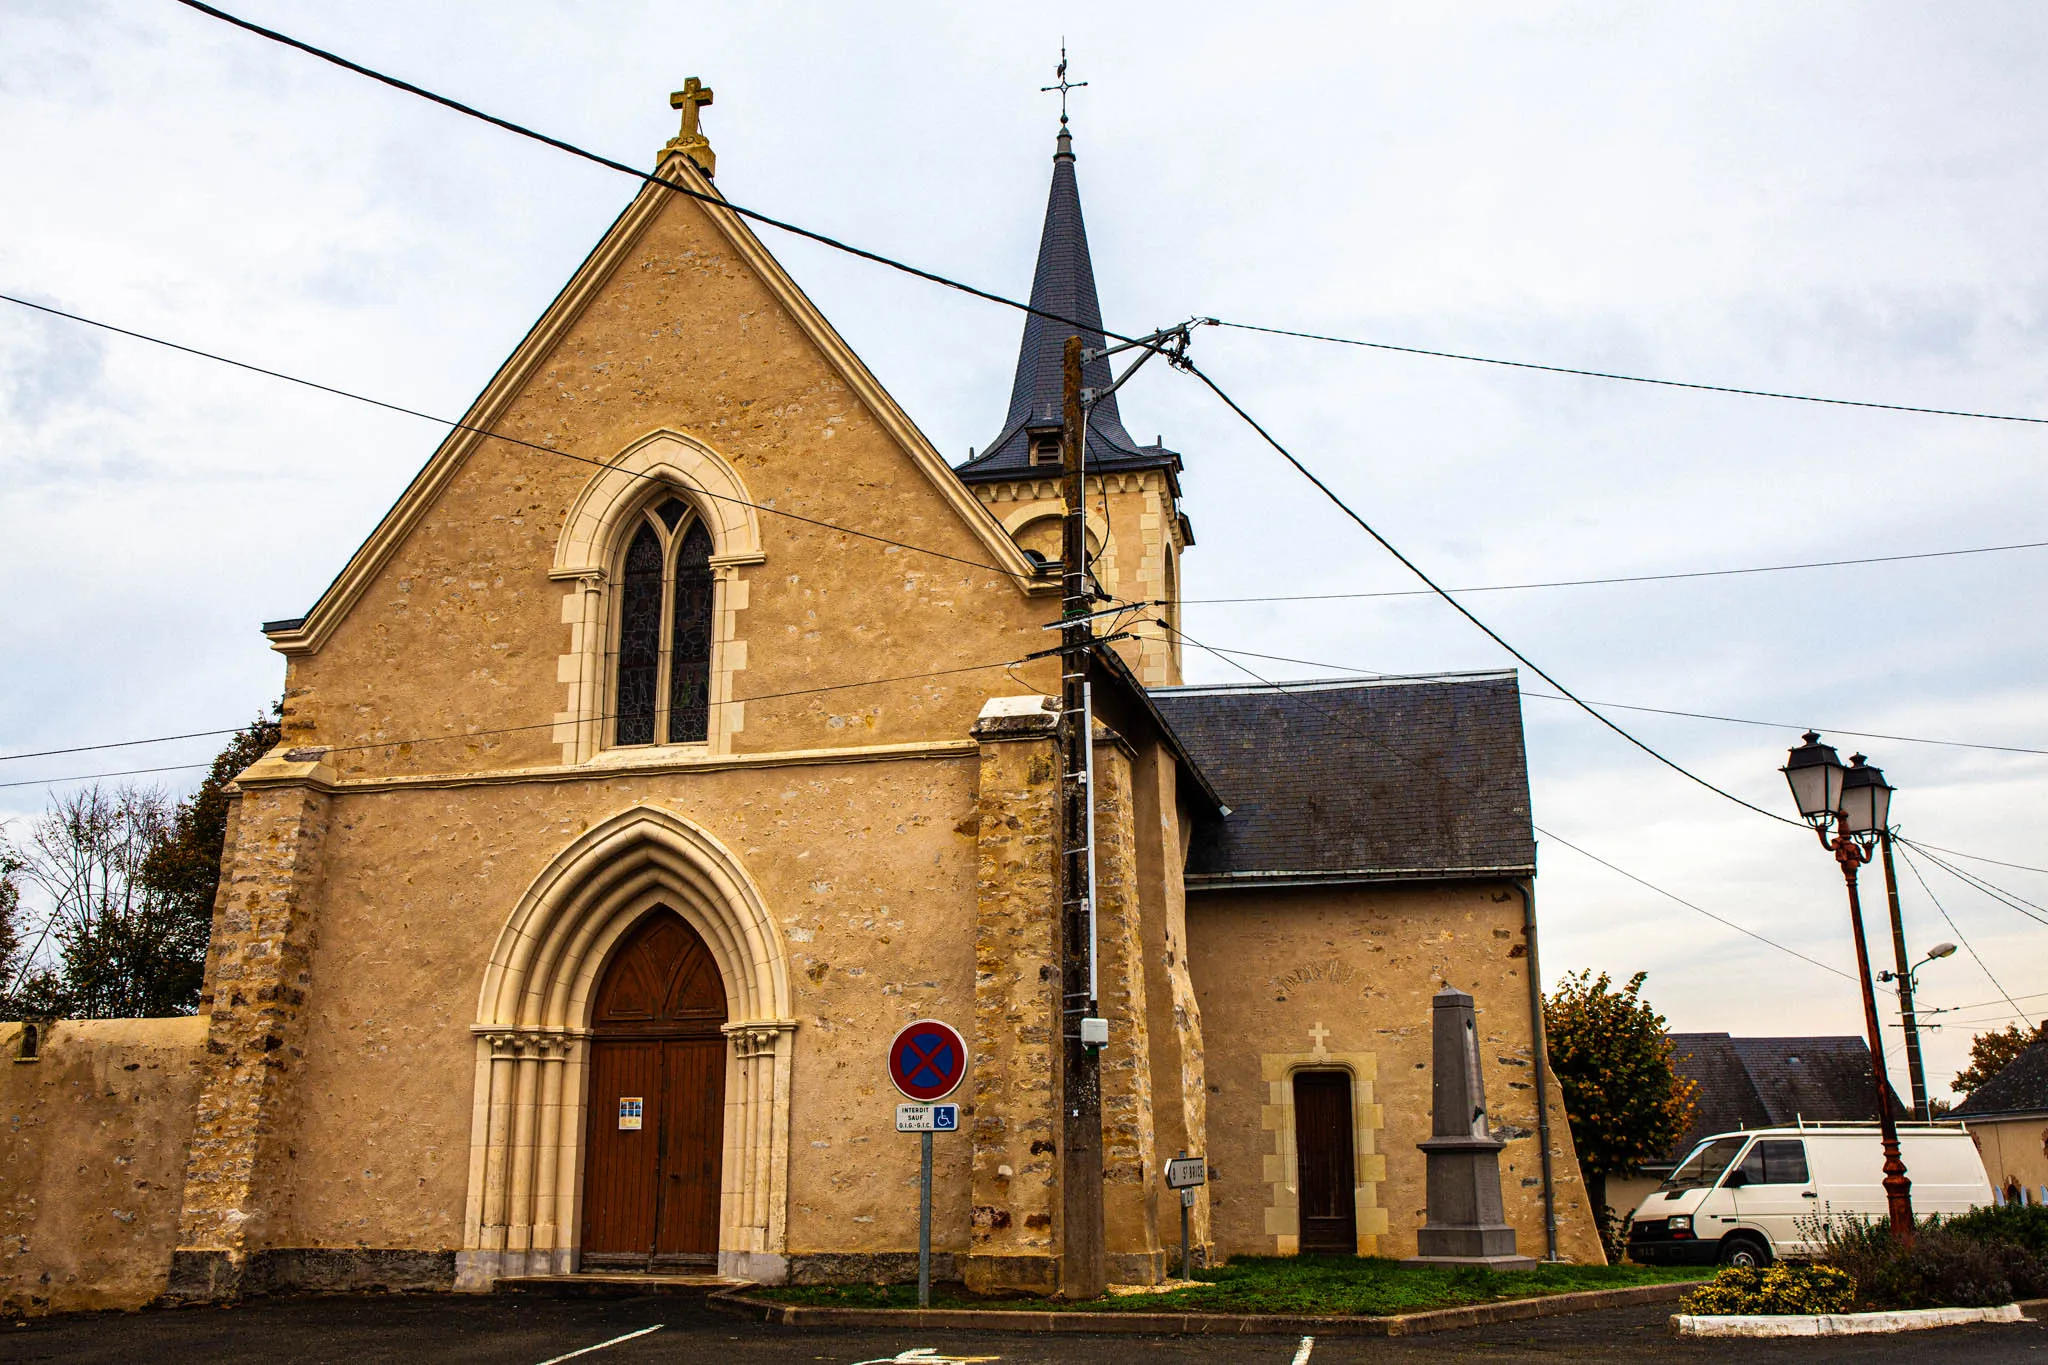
(614, 1284)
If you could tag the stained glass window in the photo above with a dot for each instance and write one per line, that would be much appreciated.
(672, 512)
(689, 677)
(639, 638)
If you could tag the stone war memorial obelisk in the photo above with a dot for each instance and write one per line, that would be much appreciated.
(1467, 1224)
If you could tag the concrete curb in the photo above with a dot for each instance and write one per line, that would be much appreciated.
(741, 1303)
(1837, 1324)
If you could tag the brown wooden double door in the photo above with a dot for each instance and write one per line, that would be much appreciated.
(657, 1103)
(1327, 1188)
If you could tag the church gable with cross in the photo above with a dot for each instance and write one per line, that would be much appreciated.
(689, 726)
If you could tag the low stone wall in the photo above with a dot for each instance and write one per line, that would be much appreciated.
(92, 1160)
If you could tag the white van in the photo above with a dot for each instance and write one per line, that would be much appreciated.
(1747, 1198)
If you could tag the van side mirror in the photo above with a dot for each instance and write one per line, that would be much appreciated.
(1736, 1179)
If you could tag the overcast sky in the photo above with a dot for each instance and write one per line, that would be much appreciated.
(1843, 200)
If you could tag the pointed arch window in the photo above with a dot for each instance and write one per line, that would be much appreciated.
(664, 640)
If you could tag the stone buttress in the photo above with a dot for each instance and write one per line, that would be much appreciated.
(258, 971)
(1018, 1059)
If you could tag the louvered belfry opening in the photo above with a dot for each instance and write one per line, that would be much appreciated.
(656, 1105)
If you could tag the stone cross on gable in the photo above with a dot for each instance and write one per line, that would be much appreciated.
(1321, 1037)
(691, 99)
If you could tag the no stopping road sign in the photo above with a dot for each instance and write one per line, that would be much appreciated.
(927, 1060)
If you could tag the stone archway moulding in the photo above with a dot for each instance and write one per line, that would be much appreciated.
(662, 459)
(524, 1210)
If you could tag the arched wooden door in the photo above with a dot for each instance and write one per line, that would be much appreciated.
(657, 1103)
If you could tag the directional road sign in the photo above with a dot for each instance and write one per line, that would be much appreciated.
(927, 1060)
(1182, 1172)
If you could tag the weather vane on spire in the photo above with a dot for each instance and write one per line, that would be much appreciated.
(1065, 85)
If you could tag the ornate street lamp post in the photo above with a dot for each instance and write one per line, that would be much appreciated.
(1856, 802)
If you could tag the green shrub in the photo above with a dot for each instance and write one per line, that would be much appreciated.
(1975, 1261)
(2020, 1225)
(1781, 1288)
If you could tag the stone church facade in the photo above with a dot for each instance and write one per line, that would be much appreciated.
(684, 730)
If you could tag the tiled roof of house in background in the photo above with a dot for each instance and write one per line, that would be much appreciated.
(2021, 1088)
(1763, 1082)
(1358, 779)
(1727, 1099)
(1063, 285)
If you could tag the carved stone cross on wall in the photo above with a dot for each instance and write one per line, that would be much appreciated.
(1321, 1037)
(690, 99)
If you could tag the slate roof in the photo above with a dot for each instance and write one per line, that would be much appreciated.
(2021, 1088)
(1358, 780)
(1762, 1082)
(1064, 284)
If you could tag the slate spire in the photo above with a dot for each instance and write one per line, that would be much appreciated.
(1063, 285)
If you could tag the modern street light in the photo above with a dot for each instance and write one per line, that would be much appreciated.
(1856, 802)
(1908, 978)
(1912, 976)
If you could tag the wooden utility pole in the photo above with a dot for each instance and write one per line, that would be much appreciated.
(1082, 1271)
(1916, 1071)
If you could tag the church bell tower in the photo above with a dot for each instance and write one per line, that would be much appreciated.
(1136, 530)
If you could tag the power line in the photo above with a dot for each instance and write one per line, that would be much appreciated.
(1382, 675)
(1628, 378)
(94, 777)
(1466, 612)
(643, 176)
(1441, 780)
(326, 749)
(121, 744)
(495, 435)
(1976, 857)
(836, 244)
(1625, 578)
(1960, 935)
(1830, 729)
(1692, 715)
(1982, 1004)
(2009, 899)
(1550, 834)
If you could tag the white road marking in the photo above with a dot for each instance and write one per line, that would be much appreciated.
(557, 1360)
(1301, 1356)
(916, 1355)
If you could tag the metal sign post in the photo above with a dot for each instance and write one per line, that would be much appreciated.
(924, 1220)
(1186, 1174)
(927, 1060)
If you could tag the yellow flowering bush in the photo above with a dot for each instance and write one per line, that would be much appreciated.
(1780, 1288)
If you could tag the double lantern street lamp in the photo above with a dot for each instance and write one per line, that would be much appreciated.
(1855, 803)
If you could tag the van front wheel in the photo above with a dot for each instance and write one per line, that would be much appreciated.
(1738, 1249)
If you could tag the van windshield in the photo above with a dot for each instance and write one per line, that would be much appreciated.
(1705, 1164)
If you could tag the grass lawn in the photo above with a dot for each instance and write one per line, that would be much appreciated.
(1327, 1285)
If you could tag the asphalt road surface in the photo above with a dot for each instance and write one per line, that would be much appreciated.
(524, 1331)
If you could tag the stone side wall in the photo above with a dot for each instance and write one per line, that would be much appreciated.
(1180, 1118)
(259, 969)
(92, 1160)
(1130, 1166)
(1342, 977)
